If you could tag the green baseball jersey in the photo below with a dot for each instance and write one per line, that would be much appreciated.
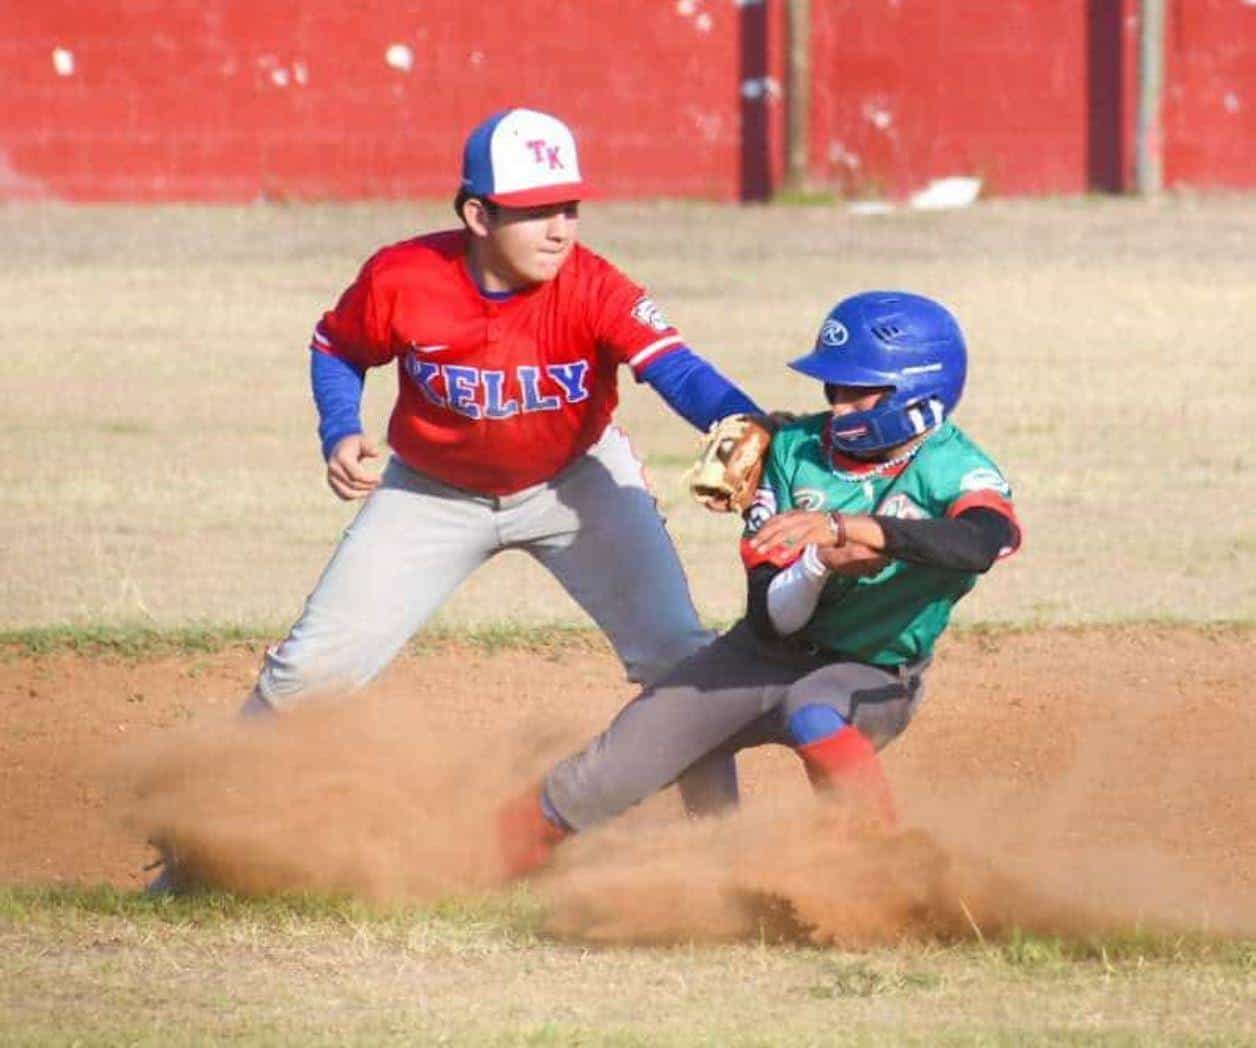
(897, 615)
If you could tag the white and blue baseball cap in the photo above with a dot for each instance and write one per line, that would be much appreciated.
(522, 158)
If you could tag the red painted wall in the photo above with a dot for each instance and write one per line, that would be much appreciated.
(226, 100)
(1033, 97)
(231, 100)
(1210, 96)
(909, 91)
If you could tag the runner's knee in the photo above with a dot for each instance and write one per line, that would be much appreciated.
(813, 722)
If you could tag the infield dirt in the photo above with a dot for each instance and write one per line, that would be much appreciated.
(1058, 779)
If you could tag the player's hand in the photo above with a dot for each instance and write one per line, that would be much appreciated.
(345, 473)
(854, 560)
(794, 529)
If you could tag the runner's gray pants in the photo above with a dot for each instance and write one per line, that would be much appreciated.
(736, 693)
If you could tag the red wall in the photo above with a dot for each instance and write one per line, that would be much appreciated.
(905, 92)
(1210, 96)
(228, 100)
(225, 100)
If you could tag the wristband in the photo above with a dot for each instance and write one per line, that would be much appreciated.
(837, 525)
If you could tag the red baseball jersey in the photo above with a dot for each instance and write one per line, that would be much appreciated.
(494, 395)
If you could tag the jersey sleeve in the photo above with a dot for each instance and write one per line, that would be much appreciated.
(359, 329)
(983, 486)
(694, 389)
(627, 323)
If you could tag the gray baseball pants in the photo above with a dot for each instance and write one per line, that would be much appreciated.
(595, 526)
(738, 692)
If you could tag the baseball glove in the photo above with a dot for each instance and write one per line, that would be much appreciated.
(730, 463)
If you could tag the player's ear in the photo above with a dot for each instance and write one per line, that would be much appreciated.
(477, 215)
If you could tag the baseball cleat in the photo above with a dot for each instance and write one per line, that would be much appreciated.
(165, 883)
(168, 880)
(525, 835)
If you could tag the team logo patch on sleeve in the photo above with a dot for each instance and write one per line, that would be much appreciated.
(984, 479)
(647, 313)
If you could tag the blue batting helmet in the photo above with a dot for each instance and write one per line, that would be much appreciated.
(893, 339)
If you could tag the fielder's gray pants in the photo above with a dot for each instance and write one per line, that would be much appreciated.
(595, 527)
(736, 693)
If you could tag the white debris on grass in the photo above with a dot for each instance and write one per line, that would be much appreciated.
(944, 193)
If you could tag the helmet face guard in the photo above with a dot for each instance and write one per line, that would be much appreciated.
(907, 344)
(884, 426)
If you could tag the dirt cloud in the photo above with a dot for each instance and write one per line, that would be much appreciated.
(370, 798)
(361, 797)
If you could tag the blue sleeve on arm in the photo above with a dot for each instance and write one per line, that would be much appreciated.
(694, 389)
(337, 386)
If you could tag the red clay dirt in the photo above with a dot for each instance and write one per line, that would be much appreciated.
(1105, 768)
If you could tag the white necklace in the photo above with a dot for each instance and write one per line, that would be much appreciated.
(877, 470)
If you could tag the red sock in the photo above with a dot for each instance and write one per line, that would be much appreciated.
(847, 761)
(526, 837)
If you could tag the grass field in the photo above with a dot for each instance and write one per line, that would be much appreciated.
(214, 969)
(164, 514)
(160, 439)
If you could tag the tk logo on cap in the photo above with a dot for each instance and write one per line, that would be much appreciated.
(544, 153)
(834, 334)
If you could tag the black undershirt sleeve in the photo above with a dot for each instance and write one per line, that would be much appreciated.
(970, 542)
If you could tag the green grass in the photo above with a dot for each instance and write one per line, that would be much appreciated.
(514, 916)
(127, 641)
(1130, 946)
(1079, 314)
(94, 965)
(794, 196)
(518, 914)
(143, 641)
(146, 642)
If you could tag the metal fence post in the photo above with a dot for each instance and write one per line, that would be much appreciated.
(1149, 135)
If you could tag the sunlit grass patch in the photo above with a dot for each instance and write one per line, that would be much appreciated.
(488, 638)
(520, 912)
(145, 641)
(514, 914)
(96, 965)
(1079, 316)
(846, 977)
(126, 641)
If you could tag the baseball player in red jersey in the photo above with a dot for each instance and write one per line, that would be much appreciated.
(508, 336)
